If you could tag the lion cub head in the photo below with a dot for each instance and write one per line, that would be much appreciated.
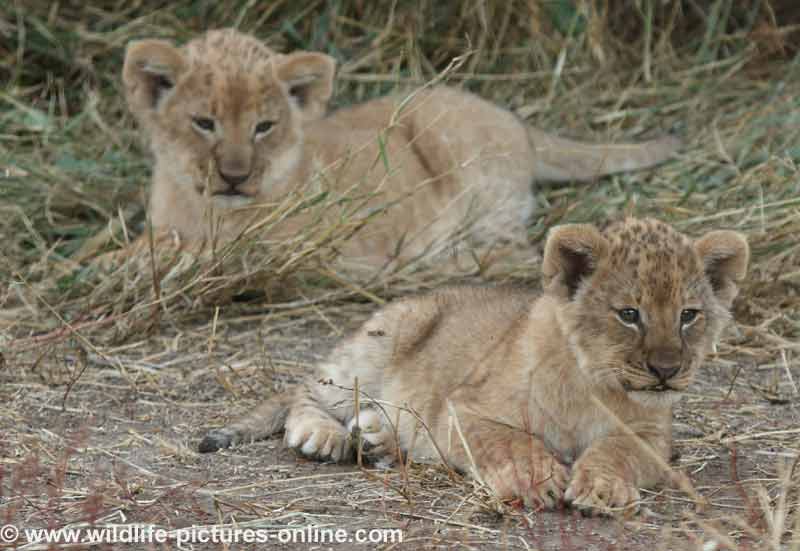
(642, 303)
(224, 112)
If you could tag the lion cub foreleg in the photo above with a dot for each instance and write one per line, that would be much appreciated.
(514, 463)
(607, 475)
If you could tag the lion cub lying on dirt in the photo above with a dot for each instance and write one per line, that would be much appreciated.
(233, 124)
(563, 396)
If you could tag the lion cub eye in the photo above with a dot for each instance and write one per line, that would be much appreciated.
(203, 124)
(263, 127)
(688, 315)
(628, 316)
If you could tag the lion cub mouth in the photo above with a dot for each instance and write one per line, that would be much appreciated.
(226, 192)
(660, 388)
(231, 199)
(666, 397)
(230, 193)
(653, 389)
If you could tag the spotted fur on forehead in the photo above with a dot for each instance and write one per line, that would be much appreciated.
(659, 262)
(235, 69)
(228, 52)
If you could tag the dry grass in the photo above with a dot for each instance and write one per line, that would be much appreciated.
(109, 377)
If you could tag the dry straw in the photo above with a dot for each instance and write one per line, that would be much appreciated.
(109, 375)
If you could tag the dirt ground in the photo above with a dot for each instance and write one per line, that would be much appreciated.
(111, 437)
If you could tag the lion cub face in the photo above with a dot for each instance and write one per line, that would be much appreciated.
(224, 113)
(643, 303)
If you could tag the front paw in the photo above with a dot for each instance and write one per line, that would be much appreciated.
(539, 479)
(600, 490)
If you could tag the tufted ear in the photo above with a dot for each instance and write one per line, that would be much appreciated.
(152, 67)
(724, 255)
(572, 253)
(308, 77)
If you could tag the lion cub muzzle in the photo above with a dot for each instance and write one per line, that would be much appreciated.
(664, 373)
(234, 166)
(660, 369)
(664, 364)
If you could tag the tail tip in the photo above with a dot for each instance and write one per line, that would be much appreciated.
(217, 439)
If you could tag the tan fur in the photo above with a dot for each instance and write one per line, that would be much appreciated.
(529, 379)
(440, 155)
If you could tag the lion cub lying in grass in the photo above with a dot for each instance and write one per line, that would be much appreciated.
(563, 396)
(233, 124)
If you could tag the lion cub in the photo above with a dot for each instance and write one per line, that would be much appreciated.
(233, 124)
(563, 396)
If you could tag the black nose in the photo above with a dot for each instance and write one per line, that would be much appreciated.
(663, 372)
(234, 180)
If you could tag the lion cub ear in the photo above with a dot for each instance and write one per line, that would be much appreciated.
(152, 67)
(725, 255)
(572, 254)
(308, 77)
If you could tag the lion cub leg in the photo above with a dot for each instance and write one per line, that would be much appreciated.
(514, 463)
(317, 433)
(606, 477)
(518, 465)
(322, 420)
(314, 431)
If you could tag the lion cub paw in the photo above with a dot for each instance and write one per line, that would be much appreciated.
(317, 436)
(377, 438)
(539, 480)
(599, 490)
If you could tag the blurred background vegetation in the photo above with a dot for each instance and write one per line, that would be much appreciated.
(724, 73)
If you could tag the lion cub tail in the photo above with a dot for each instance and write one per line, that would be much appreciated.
(562, 160)
(264, 421)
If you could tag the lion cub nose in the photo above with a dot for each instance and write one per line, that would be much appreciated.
(234, 171)
(233, 180)
(664, 372)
